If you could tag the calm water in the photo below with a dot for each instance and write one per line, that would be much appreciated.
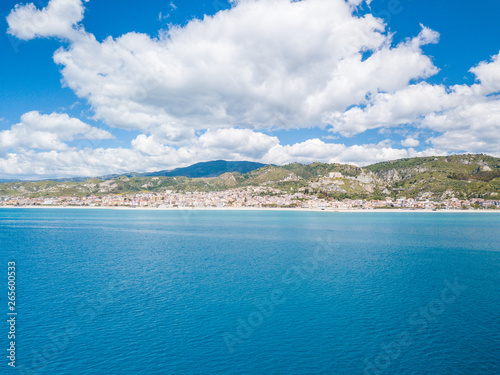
(217, 292)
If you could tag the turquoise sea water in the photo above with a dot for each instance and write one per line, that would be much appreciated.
(252, 292)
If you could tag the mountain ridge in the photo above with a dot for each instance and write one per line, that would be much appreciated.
(213, 168)
(433, 177)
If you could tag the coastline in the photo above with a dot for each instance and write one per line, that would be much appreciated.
(356, 210)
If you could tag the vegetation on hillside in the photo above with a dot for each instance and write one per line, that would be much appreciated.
(460, 176)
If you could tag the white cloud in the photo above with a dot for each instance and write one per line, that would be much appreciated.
(389, 110)
(149, 145)
(47, 132)
(359, 2)
(468, 117)
(261, 64)
(488, 73)
(410, 142)
(243, 67)
(58, 19)
(410, 105)
(314, 150)
(53, 164)
(472, 128)
(238, 142)
(148, 154)
(472, 124)
(232, 144)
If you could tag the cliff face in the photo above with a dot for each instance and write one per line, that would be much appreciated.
(390, 176)
(461, 176)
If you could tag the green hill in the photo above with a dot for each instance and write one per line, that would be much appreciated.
(460, 176)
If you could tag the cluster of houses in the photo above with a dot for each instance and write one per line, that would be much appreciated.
(256, 197)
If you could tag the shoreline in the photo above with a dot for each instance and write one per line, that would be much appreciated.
(336, 210)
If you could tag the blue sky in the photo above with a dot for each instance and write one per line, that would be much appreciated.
(89, 88)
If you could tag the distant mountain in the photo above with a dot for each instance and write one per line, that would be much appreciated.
(209, 169)
(70, 179)
(198, 170)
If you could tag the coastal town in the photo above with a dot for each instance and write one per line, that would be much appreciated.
(251, 197)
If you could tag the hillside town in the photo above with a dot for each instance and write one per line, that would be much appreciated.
(253, 197)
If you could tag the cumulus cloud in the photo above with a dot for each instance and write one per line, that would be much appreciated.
(238, 142)
(53, 164)
(391, 109)
(149, 154)
(467, 116)
(473, 127)
(359, 2)
(58, 19)
(488, 73)
(314, 150)
(231, 144)
(47, 132)
(203, 91)
(260, 64)
(410, 142)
